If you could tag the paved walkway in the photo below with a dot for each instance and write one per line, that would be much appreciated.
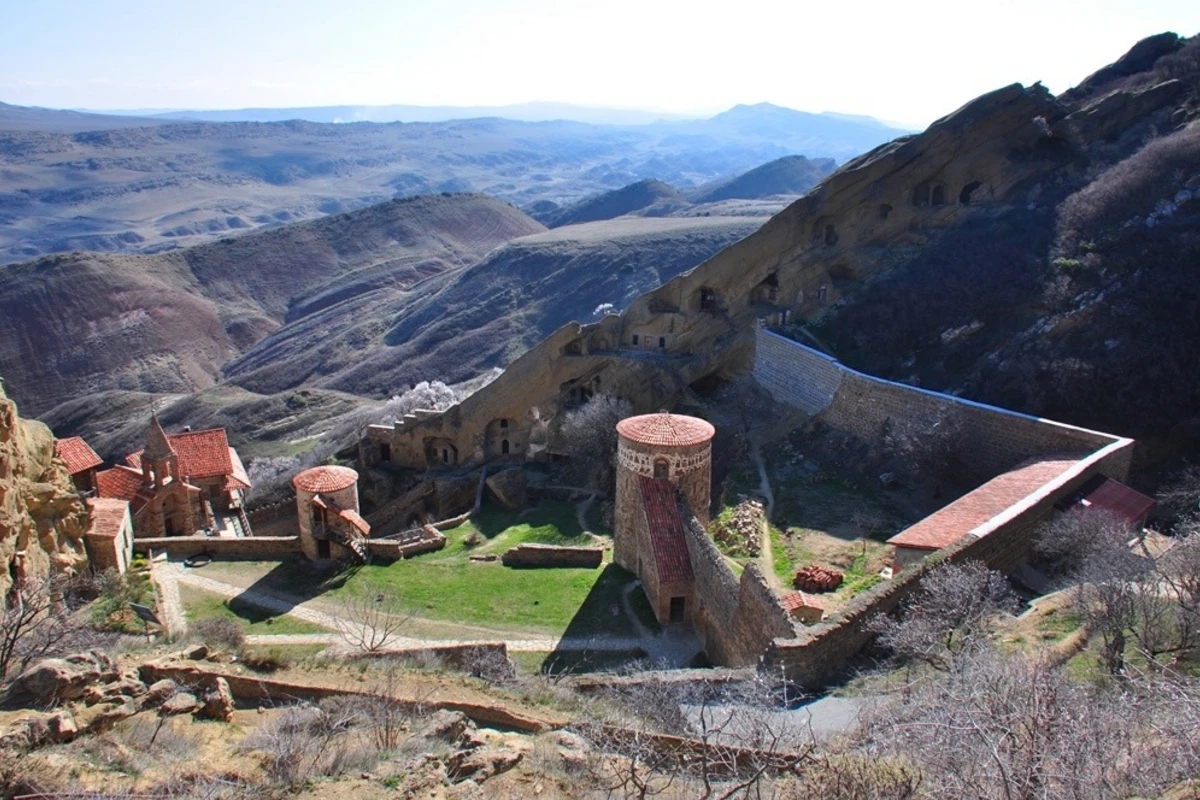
(673, 646)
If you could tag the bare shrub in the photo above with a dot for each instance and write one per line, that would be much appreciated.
(945, 618)
(589, 435)
(1127, 190)
(36, 622)
(306, 742)
(1082, 543)
(1179, 496)
(220, 633)
(1008, 726)
(489, 664)
(371, 623)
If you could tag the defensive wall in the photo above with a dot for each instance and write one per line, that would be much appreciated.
(996, 439)
(253, 548)
(549, 555)
(736, 620)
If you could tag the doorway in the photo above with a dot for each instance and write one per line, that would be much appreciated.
(677, 608)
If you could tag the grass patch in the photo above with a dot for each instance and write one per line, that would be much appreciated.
(199, 604)
(781, 557)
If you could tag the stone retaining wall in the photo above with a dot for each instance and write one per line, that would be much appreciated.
(548, 555)
(393, 550)
(251, 547)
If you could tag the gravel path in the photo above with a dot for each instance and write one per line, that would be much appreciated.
(766, 557)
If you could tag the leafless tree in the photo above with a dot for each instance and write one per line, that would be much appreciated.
(927, 444)
(1179, 496)
(945, 617)
(309, 741)
(35, 622)
(370, 623)
(589, 435)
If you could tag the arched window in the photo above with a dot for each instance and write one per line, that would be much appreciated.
(662, 468)
(503, 423)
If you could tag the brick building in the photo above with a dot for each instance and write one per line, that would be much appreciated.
(81, 461)
(181, 483)
(662, 459)
(327, 513)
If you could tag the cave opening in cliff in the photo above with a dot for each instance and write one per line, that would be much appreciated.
(964, 196)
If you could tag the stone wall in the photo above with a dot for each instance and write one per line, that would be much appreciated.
(394, 550)
(548, 555)
(251, 547)
(735, 620)
(995, 439)
(820, 652)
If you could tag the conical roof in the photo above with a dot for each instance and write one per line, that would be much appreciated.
(158, 446)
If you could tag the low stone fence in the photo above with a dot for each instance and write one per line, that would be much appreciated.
(467, 657)
(548, 555)
(259, 690)
(423, 540)
(269, 513)
(249, 547)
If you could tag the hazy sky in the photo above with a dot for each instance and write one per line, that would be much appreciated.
(903, 61)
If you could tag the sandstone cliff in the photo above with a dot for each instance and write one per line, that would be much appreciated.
(42, 519)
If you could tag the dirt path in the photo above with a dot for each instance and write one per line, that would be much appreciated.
(170, 607)
(766, 556)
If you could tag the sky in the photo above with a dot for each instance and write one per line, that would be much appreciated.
(906, 62)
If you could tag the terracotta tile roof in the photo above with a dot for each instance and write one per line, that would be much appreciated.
(322, 480)
(134, 460)
(238, 479)
(947, 526)
(122, 483)
(106, 516)
(794, 601)
(1116, 498)
(202, 454)
(666, 430)
(666, 530)
(78, 455)
(351, 516)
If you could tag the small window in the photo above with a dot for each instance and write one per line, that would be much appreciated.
(821, 294)
(445, 456)
(503, 423)
(708, 300)
(662, 468)
(385, 452)
(635, 340)
(662, 341)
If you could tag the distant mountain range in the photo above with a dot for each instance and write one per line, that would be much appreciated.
(77, 181)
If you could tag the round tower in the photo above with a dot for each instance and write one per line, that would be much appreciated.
(322, 493)
(667, 446)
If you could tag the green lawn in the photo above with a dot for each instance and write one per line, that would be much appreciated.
(447, 585)
(199, 604)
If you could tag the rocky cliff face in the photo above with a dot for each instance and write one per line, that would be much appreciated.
(42, 519)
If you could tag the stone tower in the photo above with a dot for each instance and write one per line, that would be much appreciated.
(657, 455)
(327, 513)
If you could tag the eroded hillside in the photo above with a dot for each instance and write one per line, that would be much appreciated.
(79, 323)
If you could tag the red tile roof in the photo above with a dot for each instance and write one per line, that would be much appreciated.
(238, 479)
(351, 516)
(106, 516)
(134, 460)
(947, 526)
(666, 430)
(797, 600)
(122, 483)
(666, 530)
(321, 480)
(202, 454)
(78, 455)
(1116, 498)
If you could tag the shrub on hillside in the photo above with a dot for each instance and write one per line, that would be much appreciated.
(220, 634)
(1129, 190)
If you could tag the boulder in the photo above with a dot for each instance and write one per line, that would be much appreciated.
(509, 488)
(197, 652)
(181, 703)
(218, 702)
(158, 692)
(448, 726)
(62, 727)
(56, 680)
(480, 763)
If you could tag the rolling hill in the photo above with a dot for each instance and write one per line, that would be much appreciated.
(790, 175)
